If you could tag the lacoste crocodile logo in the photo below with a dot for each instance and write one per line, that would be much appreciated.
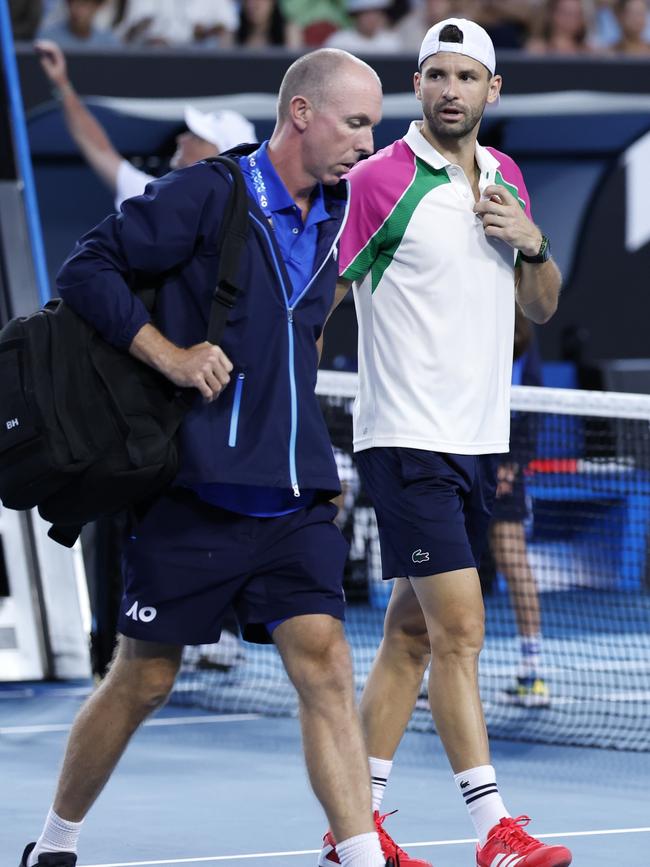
(420, 556)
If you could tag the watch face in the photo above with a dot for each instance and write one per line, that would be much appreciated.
(545, 249)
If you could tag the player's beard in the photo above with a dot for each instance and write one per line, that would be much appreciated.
(442, 130)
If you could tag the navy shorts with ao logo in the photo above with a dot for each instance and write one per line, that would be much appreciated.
(188, 562)
(433, 509)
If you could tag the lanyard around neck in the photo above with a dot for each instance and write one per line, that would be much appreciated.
(259, 185)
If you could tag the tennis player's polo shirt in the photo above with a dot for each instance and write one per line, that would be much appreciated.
(435, 301)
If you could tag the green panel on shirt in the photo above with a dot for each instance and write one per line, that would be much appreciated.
(425, 179)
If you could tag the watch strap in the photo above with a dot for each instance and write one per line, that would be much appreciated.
(543, 255)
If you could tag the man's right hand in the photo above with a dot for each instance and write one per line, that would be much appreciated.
(53, 61)
(204, 366)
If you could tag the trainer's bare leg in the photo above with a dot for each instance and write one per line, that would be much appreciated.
(508, 544)
(139, 681)
(317, 659)
(396, 675)
(444, 614)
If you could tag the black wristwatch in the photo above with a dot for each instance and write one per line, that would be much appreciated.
(543, 255)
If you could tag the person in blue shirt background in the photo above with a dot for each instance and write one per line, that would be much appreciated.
(248, 522)
(507, 532)
(77, 28)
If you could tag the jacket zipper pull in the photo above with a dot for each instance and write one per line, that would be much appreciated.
(296, 490)
(290, 312)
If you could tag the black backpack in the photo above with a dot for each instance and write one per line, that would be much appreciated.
(85, 428)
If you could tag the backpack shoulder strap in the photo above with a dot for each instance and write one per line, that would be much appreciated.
(232, 238)
(231, 241)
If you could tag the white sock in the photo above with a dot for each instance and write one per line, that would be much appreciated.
(531, 649)
(361, 851)
(379, 773)
(58, 835)
(478, 786)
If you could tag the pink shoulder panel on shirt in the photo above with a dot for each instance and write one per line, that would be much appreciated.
(376, 185)
(512, 175)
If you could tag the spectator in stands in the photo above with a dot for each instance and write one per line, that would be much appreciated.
(262, 24)
(509, 22)
(78, 27)
(507, 532)
(169, 22)
(206, 135)
(563, 28)
(607, 31)
(372, 32)
(413, 27)
(25, 18)
(108, 15)
(632, 17)
(317, 19)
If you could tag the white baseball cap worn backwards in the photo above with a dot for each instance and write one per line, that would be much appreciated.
(476, 43)
(223, 129)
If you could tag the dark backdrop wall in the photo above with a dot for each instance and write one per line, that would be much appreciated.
(569, 125)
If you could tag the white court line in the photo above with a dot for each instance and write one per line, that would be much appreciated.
(68, 692)
(213, 858)
(165, 721)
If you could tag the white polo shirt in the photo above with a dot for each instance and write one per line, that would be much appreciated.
(129, 182)
(435, 301)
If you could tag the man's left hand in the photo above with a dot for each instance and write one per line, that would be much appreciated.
(504, 218)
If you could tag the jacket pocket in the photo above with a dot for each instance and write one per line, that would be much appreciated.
(234, 415)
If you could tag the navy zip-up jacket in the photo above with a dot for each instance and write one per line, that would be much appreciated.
(265, 428)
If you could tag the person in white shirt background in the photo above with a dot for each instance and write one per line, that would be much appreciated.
(372, 33)
(207, 134)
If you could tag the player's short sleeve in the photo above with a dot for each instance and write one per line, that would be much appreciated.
(361, 238)
(513, 179)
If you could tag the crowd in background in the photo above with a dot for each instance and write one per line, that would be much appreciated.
(604, 27)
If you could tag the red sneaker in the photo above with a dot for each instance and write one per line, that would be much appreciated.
(389, 847)
(508, 844)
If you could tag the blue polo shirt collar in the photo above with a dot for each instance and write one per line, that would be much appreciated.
(273, 196)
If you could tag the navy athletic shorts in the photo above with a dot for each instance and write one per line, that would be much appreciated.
(433, 509)
(187, 562)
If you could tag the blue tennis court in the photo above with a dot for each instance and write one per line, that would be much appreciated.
(200, 788)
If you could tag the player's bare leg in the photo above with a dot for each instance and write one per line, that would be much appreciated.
(442, 614)
(397, 672)
(138, 682)
(452, 605)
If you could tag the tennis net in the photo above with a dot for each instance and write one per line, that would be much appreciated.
(567, 564)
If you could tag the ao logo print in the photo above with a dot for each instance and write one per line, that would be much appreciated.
(145, 614)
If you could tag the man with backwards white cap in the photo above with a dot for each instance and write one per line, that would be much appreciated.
(208, 134)
(439, 244)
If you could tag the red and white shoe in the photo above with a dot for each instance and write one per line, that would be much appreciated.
(392, 852)
(508, 845)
